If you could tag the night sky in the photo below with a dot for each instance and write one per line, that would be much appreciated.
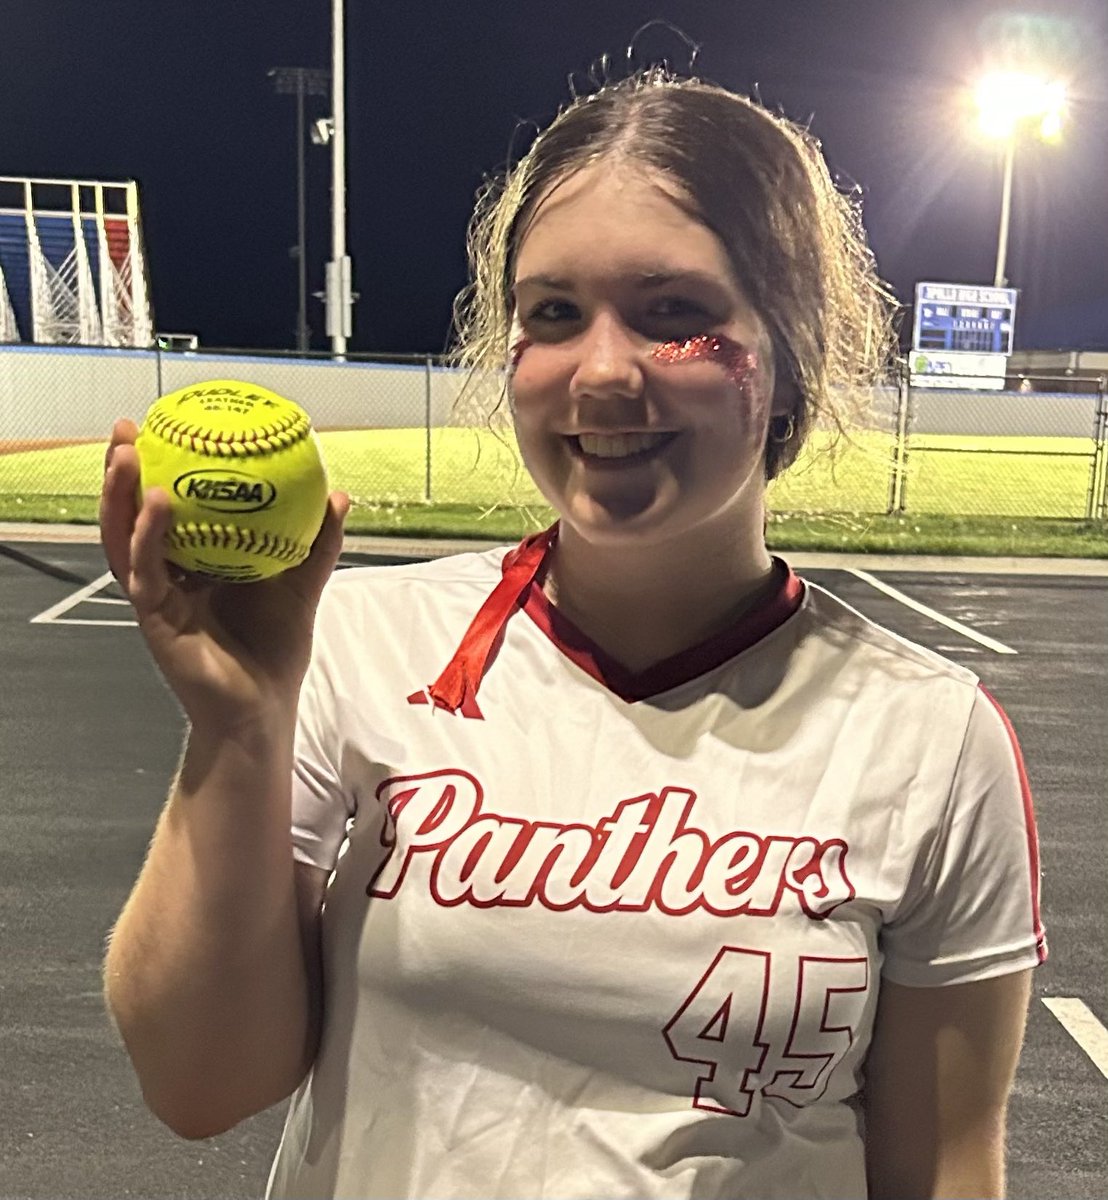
(177, 96)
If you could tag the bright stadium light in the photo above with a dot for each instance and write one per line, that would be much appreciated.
(1009, 100)
(1009, 105)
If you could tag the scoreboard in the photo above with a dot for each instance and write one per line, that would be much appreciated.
(964, 318)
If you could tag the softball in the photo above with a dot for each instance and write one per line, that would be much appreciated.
(244, 474)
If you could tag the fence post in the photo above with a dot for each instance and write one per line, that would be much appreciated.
(1096, 505)
(427, 431)
(158, 369)
(900, 447)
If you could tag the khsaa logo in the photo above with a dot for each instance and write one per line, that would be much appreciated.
(225, 491)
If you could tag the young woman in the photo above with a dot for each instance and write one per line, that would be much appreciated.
(623, 863)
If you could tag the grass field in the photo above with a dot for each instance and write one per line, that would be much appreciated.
(979, 495)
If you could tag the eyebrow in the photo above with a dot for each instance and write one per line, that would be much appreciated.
(656, 277)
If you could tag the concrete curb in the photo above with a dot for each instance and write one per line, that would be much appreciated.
(402, 547)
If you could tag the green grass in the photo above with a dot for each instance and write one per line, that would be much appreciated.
(861, 533)
(1023, 496)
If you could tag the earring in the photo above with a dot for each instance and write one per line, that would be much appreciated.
(782, 439)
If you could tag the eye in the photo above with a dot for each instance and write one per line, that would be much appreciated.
(668, 317)
(552, 311)
(677, 306)
(680, 311)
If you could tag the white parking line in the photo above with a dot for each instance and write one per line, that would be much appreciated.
(71, 601)
(93, 621)
(981, 639)
(1081, 1024)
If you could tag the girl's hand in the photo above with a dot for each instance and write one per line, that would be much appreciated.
(234, 653)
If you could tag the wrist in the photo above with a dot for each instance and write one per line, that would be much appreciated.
(255, 751)
(253, 729)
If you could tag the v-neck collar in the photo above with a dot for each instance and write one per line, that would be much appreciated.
(679, 668)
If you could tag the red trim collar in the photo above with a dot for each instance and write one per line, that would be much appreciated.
(679, 668)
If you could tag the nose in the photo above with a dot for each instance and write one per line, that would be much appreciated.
(608, 361)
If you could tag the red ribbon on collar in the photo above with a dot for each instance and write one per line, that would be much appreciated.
(456, 688)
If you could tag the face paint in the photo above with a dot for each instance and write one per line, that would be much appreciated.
(518, 341)
(738, 362)
(515, 353)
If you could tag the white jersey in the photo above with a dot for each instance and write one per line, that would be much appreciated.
(623, 936)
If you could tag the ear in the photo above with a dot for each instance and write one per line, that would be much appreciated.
(786, 399)
(786, 396)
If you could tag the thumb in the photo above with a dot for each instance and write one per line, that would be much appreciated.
(312, 574)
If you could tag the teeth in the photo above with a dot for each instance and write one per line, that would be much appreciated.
(619, 445)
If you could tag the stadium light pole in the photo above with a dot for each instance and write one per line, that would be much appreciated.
(300, 82)
(1010, 104)
(339, 282)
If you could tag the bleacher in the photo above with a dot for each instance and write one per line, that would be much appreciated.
(72, 270)
(15, 268)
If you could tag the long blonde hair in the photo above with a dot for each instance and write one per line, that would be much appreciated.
(761, 184)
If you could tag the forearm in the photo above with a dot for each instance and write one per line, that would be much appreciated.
(973, 1179)
(938, 1076)
(206, 972)
(967, 1169)
(972, 1166)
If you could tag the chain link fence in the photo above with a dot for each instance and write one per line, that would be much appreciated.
(406, 431)
(1038, 452)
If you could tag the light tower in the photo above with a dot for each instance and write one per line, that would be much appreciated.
(1012, 105)
(300, 82)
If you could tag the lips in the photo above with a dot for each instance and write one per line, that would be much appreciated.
(619, 447)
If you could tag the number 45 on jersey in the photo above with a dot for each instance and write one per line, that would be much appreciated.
(727, 1027)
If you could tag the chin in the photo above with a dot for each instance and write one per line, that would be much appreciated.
(654, 516)
(620, 521)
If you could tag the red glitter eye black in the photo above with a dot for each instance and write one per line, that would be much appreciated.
(739, 362)
(516, 352)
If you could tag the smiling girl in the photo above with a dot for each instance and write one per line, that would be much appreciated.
(623, 863)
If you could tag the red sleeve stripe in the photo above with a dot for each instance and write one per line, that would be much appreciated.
(1029, 825)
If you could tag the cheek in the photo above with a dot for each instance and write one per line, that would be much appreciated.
(727, 431)
(534, 400)
(538, 376)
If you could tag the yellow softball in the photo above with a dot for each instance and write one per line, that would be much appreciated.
(243, 471)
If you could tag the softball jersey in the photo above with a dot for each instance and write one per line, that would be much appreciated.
(603, 934)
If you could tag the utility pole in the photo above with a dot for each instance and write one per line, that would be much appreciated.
(339, 293)
(301, 82)
(999, 276)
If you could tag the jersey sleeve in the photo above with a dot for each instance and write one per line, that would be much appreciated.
(973, 908)
(321, 805)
